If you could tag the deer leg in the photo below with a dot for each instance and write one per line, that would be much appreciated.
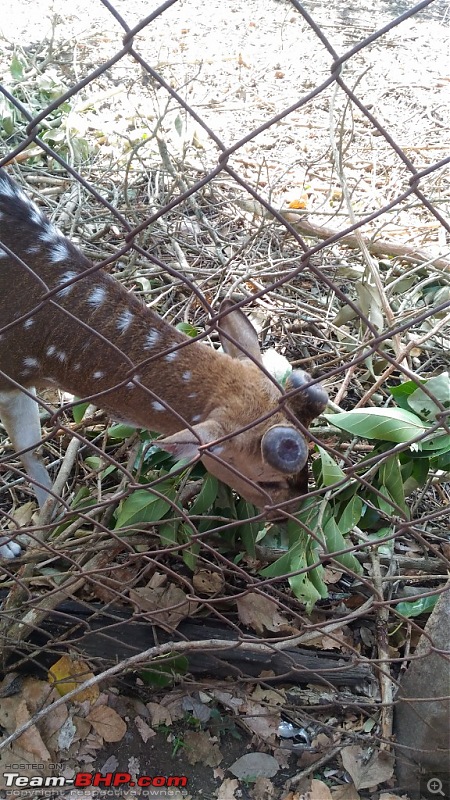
(20, 416)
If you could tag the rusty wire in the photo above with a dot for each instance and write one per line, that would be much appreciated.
(107, 564)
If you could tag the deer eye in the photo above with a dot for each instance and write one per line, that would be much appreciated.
(269, 485)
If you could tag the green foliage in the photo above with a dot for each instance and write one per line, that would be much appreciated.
(61, 129)
(424, 605)
(322, 525)
(163, 671)
(398, 474)
(188, 329)
(322, 530)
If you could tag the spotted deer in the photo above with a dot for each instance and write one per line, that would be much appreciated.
(64, 324)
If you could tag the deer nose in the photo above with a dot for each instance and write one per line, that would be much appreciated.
(284, 448)
(316, 395)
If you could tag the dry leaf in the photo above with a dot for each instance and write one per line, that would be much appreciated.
(260, 720)
(320, 791)
(299, 202)
(53, 722)
(67, 673)
(107, 723)
(37, 693)
(168, 604)
(145, 730)
(228, 790)
(159, 715)
(270, 696)
(366, 773)
(207, 582)
(30, 740)
(255, 765)
(22, 515)
(201, 747)
(261, 613)
(347, 792)
(230, 701)
(263, 789)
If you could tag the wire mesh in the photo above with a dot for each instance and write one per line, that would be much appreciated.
(316, 197)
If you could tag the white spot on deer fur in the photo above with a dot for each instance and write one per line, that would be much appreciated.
(35, 214)
(33, 248)
(192, 395)
(77, 366)
(3, 253)
(97, 297)
(30, 362)
(151, 339)
(158, 406)
(186, 376)
(61, 356)
(98, 374)
(130, 385)
(124, 320)
(49, 233)
(65, 277)
(28, 323)
(217, 449)
(51, 350)
(59, 252)
(196, 418)
(7, 188)
(171, 356)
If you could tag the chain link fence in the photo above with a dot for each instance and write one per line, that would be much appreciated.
(293, 158)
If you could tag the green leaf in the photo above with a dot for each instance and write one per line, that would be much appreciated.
(163, 674)
(168, 533)
(385, 502)
(207, 495)
(178, 125)
(120, 431)
(188, 329)
(145, 506)
(385, 548)
(423, 405)
(439, 443)
(309, 514)
(315, 574)
(403, 391)
(189, 554)
(387, 424)
(441, 461)
(331, 472)
(16, 68)
(309, 586)
(79, 411)
(417, 475)
(416, 607)
(335, 542)
(304, 589)
(391, 477)
(95, 463)
(351, 514)
(248, 531)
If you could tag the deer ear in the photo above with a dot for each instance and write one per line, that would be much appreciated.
(185, 443)
(239, 327)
